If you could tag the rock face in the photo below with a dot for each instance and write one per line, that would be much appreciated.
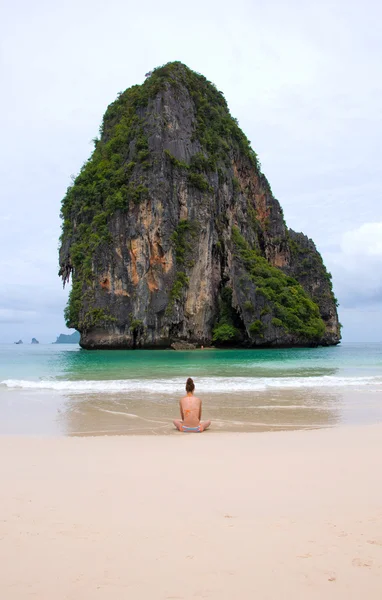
(183, 346)
(171, 232)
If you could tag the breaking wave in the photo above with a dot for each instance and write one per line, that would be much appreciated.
(217, 385)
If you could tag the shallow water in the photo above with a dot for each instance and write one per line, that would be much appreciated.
(62, 389)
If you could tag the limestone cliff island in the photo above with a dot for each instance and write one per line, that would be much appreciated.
(171, 232)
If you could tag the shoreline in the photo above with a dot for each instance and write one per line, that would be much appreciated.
(296, 514)
(53, 412)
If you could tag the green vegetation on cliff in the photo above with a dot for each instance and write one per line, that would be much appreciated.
(307, 260)
(293, 309)
(182, 239)
(226, 330)
(217, 131)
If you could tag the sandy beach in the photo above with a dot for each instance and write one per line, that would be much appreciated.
(270, 515)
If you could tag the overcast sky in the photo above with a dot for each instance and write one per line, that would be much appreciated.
(303, 79)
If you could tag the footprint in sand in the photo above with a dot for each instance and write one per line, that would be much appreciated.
(359, 562)
(342, 534)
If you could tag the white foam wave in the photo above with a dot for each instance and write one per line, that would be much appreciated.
(176, 385)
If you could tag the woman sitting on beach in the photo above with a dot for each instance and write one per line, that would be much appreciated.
(191, 412)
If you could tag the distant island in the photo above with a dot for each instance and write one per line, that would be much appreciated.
(34, 341)
(19, 342)
(72, 338)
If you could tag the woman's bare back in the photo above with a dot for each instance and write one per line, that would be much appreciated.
(191, 410)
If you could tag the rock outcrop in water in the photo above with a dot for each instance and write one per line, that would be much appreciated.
(171, 232)
(68, 338)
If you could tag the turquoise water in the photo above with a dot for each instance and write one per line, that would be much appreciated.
(64, 389)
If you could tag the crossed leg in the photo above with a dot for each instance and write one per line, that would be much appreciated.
(203, 425)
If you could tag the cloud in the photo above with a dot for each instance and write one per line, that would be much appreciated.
(33, 298)
(366, 241)
(32, 310)
(362, 324)
(311, 110)
(14, 316)
(357, 266)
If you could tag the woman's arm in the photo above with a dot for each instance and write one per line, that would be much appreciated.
(181, 410)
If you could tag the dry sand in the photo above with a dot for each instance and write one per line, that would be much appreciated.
(294, 515)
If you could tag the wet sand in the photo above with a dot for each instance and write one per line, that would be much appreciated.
(44, 412)
(274, 515)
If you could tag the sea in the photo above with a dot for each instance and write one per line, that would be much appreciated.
(64, 390)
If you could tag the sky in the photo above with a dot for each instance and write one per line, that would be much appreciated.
(303, 79)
